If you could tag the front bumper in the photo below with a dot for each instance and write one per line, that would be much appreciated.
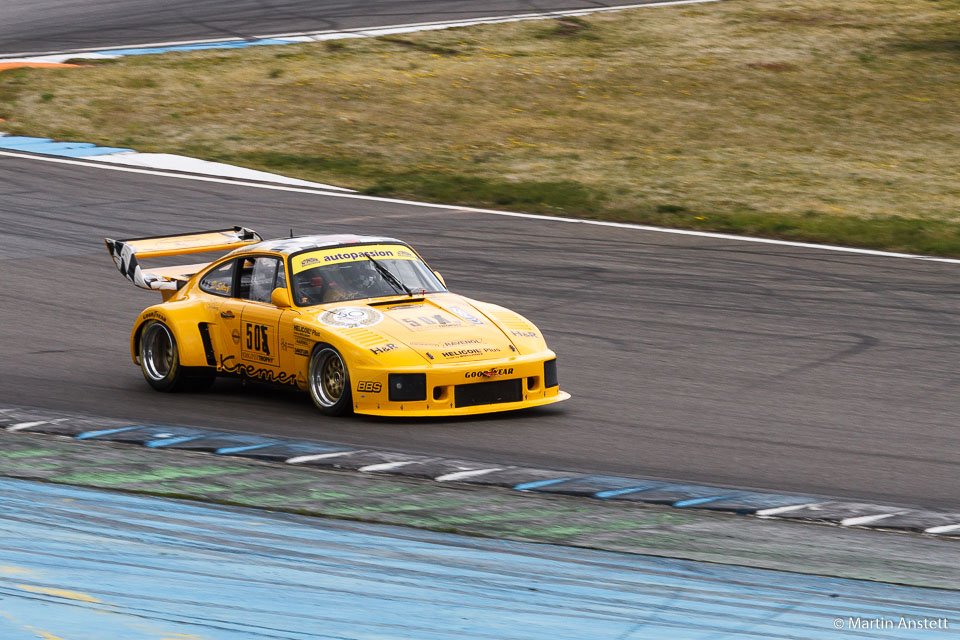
(449, 387)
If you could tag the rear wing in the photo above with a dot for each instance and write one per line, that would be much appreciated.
(128, 253)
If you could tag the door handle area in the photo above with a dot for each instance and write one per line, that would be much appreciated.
(227, 314)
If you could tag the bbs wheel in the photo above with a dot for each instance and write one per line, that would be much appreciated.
(330, 381)
(160, 362)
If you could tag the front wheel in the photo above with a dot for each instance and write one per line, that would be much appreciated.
(160, 362)
(330, 382)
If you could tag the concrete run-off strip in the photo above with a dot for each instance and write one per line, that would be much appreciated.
(488, 511)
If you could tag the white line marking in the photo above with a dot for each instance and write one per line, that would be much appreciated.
(943, 529)
(860, 520)
(318, 456)
(172, 162)
(495, 212)
(26, 425)
(778, 510)
(154, 172)
(373, 32)
(362, 32)
(461, 475)
(386, 466)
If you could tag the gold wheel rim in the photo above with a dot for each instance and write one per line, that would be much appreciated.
(333, 377)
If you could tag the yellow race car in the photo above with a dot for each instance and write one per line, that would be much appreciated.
(360, 322)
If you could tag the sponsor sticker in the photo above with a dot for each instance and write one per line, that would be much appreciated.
(215, 285)
(258, 344)
(488, 373)
(154, 315)
(466, 315)
(461, 353)
(341, 255)
(430, 322)
(351, 317)
(383, 348)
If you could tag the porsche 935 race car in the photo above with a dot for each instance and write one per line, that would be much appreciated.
(360, 322)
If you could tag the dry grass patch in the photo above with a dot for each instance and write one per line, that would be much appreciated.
(804, 119)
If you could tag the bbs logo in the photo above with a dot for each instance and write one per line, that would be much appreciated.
(369, 386)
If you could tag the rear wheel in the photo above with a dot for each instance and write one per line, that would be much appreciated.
(330, 382)
(160, 362)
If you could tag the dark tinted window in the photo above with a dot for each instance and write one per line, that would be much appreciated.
(219, 281)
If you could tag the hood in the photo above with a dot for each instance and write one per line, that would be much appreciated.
(443, 329)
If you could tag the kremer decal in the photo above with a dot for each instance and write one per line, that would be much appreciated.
(251, 371)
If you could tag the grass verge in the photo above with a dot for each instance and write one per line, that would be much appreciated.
(804, 120)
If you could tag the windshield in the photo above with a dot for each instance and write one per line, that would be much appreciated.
(348, 273)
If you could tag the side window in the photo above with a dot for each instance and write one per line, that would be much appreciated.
(219, 280)
(263, 277)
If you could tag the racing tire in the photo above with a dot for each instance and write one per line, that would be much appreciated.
(329, 382)
(160, 362)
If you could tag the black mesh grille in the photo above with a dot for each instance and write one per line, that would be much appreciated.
(495, 392)
(550, 378)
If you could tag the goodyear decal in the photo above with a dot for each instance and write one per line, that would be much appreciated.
(340, 255)
(154, 315)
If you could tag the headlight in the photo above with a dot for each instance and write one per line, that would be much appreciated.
(407, 386)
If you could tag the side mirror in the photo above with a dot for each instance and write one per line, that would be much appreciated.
(440, 278)
(280, 297)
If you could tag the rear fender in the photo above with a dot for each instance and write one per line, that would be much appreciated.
(185, 325)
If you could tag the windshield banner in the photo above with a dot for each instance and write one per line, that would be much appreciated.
(340, 255)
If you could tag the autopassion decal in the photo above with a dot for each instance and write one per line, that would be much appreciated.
(341, 255)
(350, 317)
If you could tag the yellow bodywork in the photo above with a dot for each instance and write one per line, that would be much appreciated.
(453, 340)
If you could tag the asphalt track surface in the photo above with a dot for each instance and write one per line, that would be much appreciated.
(41, 26)
(690, 358)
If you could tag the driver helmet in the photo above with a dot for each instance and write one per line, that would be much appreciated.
(311, 289)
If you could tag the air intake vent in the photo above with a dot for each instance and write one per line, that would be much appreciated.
(550, 378)
(495, 392)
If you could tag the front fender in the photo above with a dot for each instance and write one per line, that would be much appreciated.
(524, 334)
